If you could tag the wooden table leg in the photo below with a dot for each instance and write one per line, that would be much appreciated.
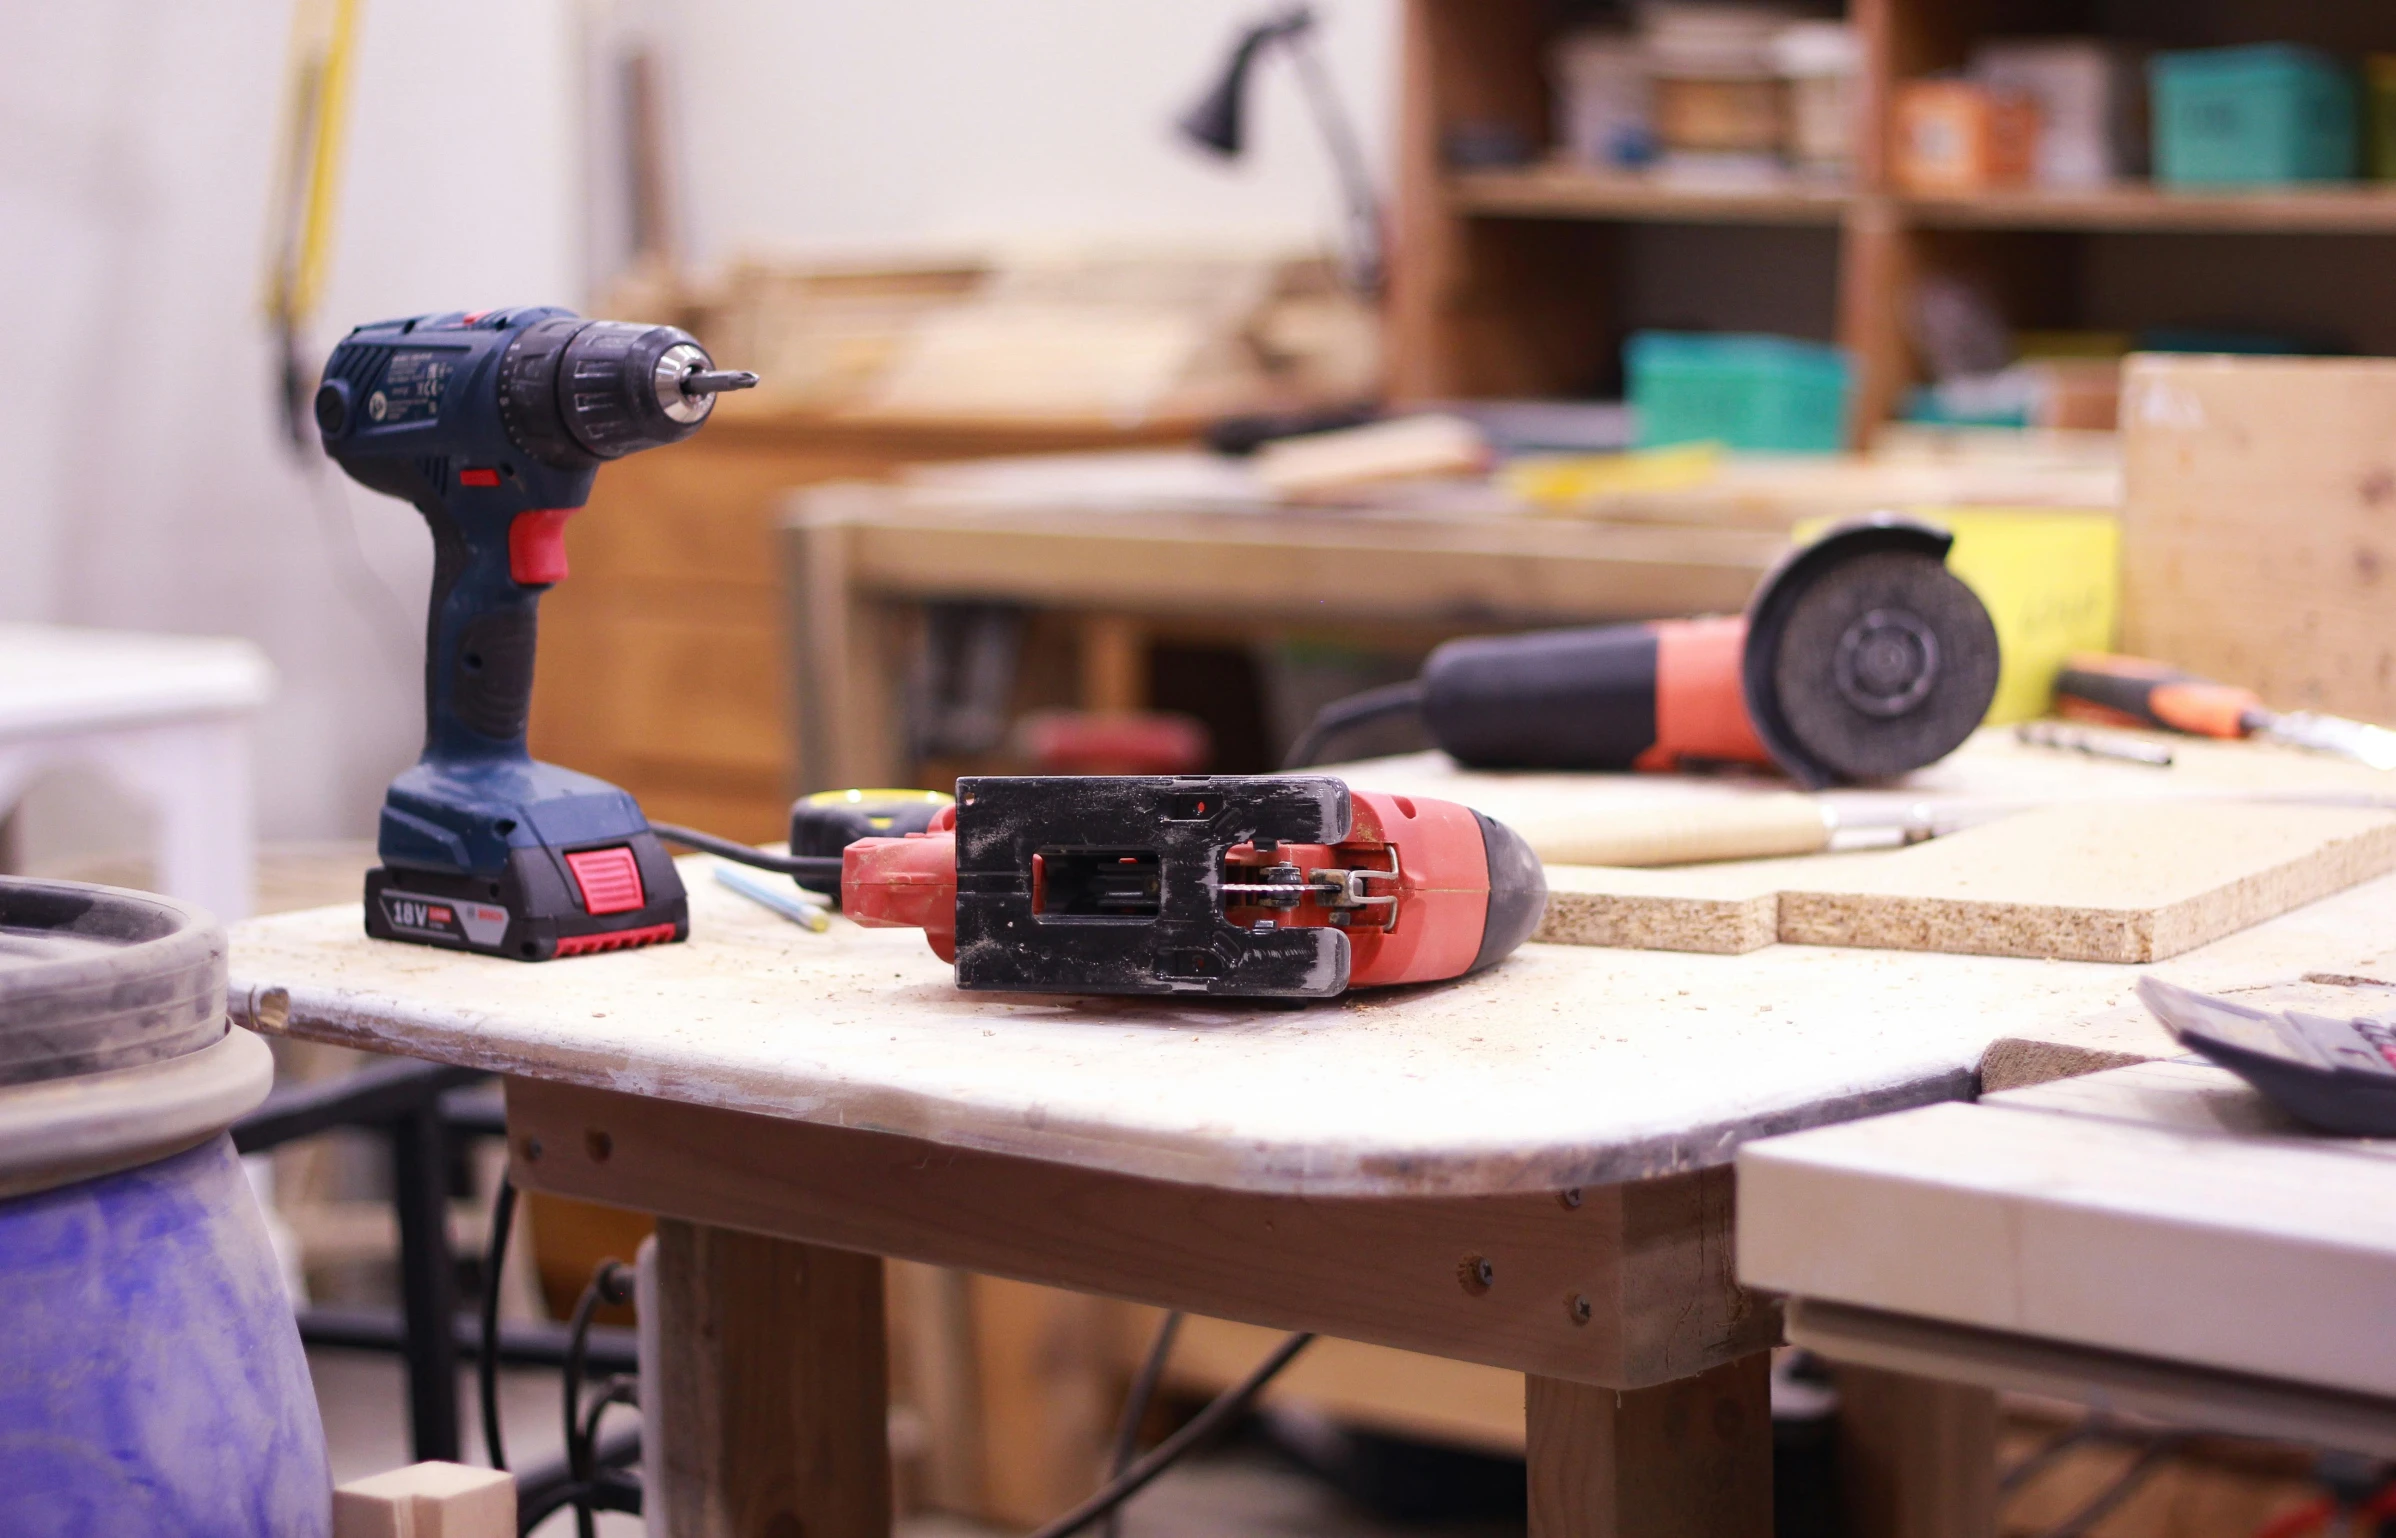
(1688, 1459)
(847, 660)
(773, 1390)
(1114, 663)
(1917, 1457)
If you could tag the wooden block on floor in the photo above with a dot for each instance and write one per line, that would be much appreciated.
(427, 1500)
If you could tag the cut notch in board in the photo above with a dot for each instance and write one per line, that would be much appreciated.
(2109, 882)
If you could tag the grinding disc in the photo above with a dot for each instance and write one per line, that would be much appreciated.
(1878, 664)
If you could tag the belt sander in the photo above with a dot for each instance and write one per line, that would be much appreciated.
(1267, 886)
(1861, 657)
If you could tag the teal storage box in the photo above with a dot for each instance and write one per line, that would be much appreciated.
(1761, 394)
(2259, 116)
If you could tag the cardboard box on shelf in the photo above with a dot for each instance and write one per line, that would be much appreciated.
(1955, 136)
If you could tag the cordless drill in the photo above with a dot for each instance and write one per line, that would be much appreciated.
(494, 425)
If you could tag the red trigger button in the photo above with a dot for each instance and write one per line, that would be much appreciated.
(536, 546)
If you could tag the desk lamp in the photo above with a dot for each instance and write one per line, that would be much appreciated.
(1217, 123)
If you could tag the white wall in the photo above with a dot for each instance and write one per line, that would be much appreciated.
(146, 485)
(830, 125)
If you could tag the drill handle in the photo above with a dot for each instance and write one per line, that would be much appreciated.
(488, 576)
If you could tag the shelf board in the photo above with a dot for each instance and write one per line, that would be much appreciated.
(2359, 209)
(1563, 192)
(1560, 192)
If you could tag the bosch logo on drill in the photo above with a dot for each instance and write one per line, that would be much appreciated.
(481, 924)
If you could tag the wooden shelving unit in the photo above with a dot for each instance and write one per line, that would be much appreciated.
(1565, 192)
(2338, 210)
(1514, 281)
(1562, 192)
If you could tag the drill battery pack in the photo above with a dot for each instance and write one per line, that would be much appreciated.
(547, 903)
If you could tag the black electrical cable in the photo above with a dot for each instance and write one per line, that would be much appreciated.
(486, 1356)
(1135, 1410)
(619, 1389)
(1225, 1408)
(611, 1283)
(1342, 716)
(806, 867)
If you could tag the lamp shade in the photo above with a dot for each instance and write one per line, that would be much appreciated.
(1217, 121)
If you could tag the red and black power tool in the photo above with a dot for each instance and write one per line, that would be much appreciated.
(1860, 657)
(1260, 886)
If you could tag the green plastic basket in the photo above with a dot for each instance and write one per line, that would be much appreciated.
(2260, 116)
(1759, 394)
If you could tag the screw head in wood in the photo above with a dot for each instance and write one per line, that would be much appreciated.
(1578, 1308)
(532, 1150)
(1474, 1273)
(1571, 1198)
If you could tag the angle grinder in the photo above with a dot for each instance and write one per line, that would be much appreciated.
(1861, 657)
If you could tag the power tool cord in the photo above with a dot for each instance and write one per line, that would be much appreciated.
(486, 1357)
(1342, 716)
(806, 867)
(1219, 1413)
(1135, 1410)
(611, 1283)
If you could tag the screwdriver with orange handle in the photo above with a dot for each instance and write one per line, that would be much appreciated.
(2133, 691)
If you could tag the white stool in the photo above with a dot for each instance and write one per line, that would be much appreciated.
(166, 716)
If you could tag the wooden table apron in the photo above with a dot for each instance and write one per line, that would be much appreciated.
(1620, 1286)
(1647, 1402)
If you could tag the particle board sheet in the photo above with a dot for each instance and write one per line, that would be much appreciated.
(2089, 882)
(2087, 860)
(2257, 536)
(2162, 1209)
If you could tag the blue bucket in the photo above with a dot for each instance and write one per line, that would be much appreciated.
(151, 1376)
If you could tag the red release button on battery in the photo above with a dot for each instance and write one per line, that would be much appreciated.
(610, 879)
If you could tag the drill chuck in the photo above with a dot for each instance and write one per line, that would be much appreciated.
(573, 391)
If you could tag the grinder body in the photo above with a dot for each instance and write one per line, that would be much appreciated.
(1861, 657)
(494, 426)
(1639, 696)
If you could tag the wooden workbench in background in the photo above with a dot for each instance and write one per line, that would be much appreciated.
(1177, 545)
(661, 662)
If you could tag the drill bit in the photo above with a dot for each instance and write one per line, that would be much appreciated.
(715, 381)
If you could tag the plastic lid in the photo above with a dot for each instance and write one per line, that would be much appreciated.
(94, 978)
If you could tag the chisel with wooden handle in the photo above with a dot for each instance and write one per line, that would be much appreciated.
(1759, 827)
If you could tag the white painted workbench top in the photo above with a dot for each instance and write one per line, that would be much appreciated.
(1564, 1066)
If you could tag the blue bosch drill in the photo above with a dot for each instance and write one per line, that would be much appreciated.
(494, 425)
